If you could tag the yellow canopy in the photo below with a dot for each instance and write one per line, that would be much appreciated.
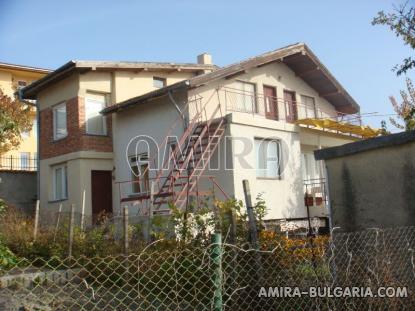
(346, 128)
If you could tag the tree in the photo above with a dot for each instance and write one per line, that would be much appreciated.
(402, 23)
(15, 118)
(406, 109)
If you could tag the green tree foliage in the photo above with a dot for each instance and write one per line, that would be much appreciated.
(406, 109)
(402, 22)
(15, 118)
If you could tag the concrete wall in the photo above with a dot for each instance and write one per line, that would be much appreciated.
(19, 189)
(373, 188)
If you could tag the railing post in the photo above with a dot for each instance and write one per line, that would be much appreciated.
(11, 162)
(216, 257)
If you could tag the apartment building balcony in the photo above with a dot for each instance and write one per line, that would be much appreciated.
(18, 163)
(305, 113)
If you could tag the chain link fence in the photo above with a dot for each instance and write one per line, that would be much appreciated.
(169, 275)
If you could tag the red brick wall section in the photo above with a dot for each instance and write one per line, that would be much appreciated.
(77, 139)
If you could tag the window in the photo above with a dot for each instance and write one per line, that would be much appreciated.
(59, 121)
(308, 107)
(60, 182)
(310, 167)
(159, 82)
(21, 84)
(245, 100)
(34, 127)
(268, 158)
(24, 160)
(95, 122)
(140, 173)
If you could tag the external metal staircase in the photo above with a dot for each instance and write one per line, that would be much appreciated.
(177, 178)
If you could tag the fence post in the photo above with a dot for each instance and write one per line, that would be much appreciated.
(150, 211)
(125, 220)
(83, 211)
(216, 257)
(36, 220)
(57, 222)
(251, 219)
(71, 225)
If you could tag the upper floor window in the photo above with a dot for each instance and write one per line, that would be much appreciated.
(24, 160)
(245, 97)
(21, 84)
(308, 107)
(95, 121)
(34, 127)
(59, 121)
(268, 158)
(159, 82)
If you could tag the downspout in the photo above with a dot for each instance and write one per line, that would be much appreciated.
(185, 124)
(35, 104)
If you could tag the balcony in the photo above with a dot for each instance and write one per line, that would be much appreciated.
(305, 113)
(18, 163)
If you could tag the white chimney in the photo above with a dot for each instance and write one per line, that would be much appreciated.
(204, 59)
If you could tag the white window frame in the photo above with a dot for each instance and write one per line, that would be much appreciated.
(24, 164)
(142, 161)
(306, 107)
(159, 79)
(279, 157)
(245, 98)
(64, 182)
(55, 133)
(104, 119)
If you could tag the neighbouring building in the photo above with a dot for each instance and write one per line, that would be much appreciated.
(262, 118)
(372, 182)
(18, 166)
(12, 78)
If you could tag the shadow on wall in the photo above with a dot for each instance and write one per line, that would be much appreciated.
(408, 186)
(348, 211)
(18, 189)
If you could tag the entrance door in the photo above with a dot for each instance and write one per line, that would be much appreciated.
(101, 192)
(290, 106)
(270, 101)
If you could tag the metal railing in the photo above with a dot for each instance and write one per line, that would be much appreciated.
(18, 163)
(281, 109)
(315, 193)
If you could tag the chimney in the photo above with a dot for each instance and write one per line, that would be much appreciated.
(204, 59)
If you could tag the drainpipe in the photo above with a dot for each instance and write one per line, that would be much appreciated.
(178, 109)
(35, 104)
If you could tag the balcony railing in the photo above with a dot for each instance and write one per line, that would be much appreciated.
(281, 109)
(315, 193)
(18, 163)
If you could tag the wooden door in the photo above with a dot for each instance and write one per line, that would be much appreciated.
(290, 106)
(101, 193)
(270, 102)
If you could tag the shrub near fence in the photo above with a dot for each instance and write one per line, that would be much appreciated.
(170, 275)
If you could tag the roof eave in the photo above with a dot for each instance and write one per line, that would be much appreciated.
(145, 97)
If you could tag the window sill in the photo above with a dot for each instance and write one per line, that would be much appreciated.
(59, 139)
(268, 178)
(97, 135)
(57, 201)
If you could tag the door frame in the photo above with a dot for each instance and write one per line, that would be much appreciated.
(275, 113)
(293, 108)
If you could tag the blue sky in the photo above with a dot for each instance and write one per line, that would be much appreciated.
(361, 56)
